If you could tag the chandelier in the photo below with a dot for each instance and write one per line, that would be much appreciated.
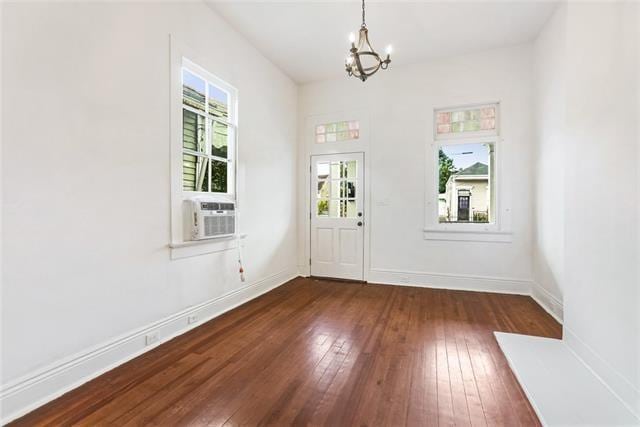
(363, 61)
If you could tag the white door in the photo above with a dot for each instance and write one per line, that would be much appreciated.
(337, 216)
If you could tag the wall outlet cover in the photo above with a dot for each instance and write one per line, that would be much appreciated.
(152, 338)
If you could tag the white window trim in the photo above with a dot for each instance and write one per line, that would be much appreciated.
(469, 232)
(180, 247)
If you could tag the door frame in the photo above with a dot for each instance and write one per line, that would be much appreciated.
(362, 188)
(310, 148)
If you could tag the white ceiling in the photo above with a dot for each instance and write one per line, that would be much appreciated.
(308, 40)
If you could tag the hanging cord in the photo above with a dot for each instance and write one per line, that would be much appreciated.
(241, 269)
(363, 23)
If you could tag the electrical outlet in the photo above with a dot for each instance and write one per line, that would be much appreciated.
(152, 338)
(192, 319)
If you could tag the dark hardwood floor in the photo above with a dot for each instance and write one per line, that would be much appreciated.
(319, 352)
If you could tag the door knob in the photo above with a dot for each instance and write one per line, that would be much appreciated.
(359, 223)
(359, 213)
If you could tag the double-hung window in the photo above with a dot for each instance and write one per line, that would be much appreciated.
(466, 139)
(208, 134)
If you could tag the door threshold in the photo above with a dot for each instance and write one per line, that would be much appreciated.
(338, 279)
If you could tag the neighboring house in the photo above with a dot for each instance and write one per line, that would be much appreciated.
(467, 196)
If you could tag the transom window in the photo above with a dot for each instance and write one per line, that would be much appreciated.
(208, 133)
(337, 131)
(453, 122)
(466, 140)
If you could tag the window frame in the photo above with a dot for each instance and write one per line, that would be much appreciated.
(460, 231)
(232, 125)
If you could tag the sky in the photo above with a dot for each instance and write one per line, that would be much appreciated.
(197, 83)
(465, 155)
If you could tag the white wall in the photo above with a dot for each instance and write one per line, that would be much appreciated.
(399, 104)
(550, 115)
(602, 318)
(587, 116)
(85, 167)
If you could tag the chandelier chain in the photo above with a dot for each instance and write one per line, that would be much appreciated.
(363, 23)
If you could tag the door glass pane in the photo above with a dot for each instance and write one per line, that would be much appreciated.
(323, 207)
(334, 208)
(336, 188)
(348, 209)
(323, 170)
(219, 138)
(323, 190)
(192, 90)
(335, 170)
(349, 189)
(350, 169)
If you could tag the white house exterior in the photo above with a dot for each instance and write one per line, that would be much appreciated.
(467, 196)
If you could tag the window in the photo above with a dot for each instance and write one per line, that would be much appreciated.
(469, 120)
(338, 131)
(466, 141)
(208, 133)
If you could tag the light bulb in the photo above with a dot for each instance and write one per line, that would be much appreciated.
(389, 50)
(352, 37)
(349, 60)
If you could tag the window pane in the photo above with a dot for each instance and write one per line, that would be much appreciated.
(218, 176)
(218, 102)
(219, 138)
(193, 132)
(195, 173)
(192, 90)
(466, 183)
(188, 172)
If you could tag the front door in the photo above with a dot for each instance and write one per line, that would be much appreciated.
(337, 216)
(463, 208)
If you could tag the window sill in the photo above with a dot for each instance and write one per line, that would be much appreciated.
(200, 247)
(468, 235)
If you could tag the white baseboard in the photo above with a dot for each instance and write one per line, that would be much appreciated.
(25, 394)
(546, 300)
(450, 281)
(620, 386)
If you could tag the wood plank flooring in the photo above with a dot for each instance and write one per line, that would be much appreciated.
(320, 352)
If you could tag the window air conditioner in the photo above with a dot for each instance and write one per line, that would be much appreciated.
(208, 218)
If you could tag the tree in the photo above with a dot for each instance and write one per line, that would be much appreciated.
(446, 170)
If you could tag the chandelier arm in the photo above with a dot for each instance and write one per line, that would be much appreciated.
(359, 65)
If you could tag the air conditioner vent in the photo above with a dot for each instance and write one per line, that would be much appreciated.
(210, 219)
